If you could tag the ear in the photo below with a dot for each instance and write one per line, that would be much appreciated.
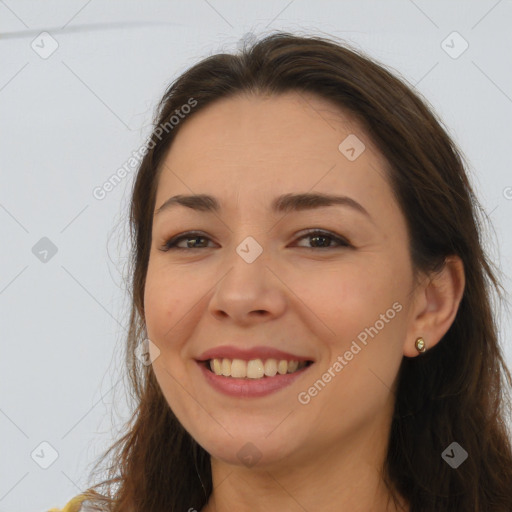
(435, 305)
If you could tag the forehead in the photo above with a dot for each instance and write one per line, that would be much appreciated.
(262, 146)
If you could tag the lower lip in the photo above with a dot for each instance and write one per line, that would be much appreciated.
(249, 388)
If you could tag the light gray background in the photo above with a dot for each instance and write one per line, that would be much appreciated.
(69, 121)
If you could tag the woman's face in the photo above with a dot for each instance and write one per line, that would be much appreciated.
(253, 278)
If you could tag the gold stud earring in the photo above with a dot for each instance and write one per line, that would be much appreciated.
(420, 345)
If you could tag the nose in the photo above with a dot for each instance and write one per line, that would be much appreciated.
(249, 292)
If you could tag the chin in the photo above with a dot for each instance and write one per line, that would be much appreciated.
(249, 450)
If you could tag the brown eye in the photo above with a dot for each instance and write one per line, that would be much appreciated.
(323, 239)
(194, 241)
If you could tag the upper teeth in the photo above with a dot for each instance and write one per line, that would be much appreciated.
(255, 368)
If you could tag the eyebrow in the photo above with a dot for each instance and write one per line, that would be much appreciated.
(282, 204)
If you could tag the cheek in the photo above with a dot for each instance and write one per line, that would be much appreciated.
(344, 297)
(163, 303)
(362, 317)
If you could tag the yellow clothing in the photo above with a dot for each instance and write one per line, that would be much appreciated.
(74, 505)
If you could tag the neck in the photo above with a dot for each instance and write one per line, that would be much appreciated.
(345, 479)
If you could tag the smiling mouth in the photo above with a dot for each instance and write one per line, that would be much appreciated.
(254, 368)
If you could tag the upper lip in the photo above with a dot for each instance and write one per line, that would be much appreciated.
(246, 354)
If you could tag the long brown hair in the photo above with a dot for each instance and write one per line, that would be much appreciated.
(458, 391)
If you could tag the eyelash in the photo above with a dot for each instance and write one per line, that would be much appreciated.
(172, 242)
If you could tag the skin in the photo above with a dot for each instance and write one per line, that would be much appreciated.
(325, 455)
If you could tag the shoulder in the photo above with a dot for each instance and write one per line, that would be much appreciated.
(76, 504)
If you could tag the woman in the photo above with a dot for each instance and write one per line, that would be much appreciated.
(312, 299)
